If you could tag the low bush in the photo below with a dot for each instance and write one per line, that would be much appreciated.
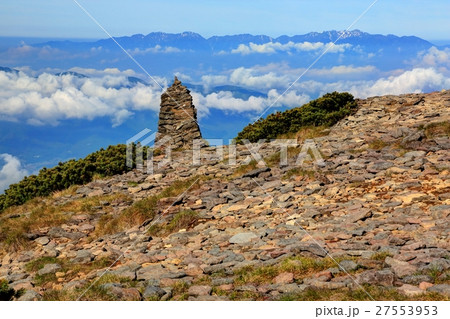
(325, 111)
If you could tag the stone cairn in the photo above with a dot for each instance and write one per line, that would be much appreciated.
(177, 118)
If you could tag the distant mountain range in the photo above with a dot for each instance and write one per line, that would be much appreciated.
(194, 41)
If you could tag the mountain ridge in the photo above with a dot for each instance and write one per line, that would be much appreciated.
(190, 40)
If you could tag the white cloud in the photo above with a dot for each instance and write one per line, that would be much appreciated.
(11, 172)
(343, 70)
(247, 77)
(155, 49)
(226, 102)
(413, 81)
(273, 47)
(49, 99)
(435, 58)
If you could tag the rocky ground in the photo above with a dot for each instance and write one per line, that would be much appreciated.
(370, 222)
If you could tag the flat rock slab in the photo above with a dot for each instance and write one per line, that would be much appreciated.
(243, 238)
(199, 290)
(410, 290)
(401, 268)
(49, 269)
(442, 289)
(42, 240)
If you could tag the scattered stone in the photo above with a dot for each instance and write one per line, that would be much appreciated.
(284, 278)
(83, 257)
(377, 277)
(49, 269)
(42, 240)
(401, 268)
(242, 238)
(199, 290)
(410, 290)
(425, 285)
(153, 293)
(30, 295)
(443, 289)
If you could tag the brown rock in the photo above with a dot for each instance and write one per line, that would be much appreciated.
(199, 290)
(410, 290)
(284, 278)
(425, 285)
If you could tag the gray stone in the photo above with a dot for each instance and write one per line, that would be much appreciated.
(377, 277)
(30, 295)
(401, 268)
(313, 248)
(83, 257)
(348, 265)
(443, 289)
(49, 269)
(153, 292)
(242, 238)
(151, 272)
(42, 240)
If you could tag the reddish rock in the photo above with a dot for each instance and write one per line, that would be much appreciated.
(425, 285)
(284, 278)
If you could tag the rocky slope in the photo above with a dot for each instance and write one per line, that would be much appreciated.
(370, 222)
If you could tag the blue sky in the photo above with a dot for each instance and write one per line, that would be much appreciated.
(62, 18)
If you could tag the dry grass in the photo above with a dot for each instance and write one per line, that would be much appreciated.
(144, 209)
(346, 294)
(301, 267)
(377, 144)
(305, 133)
(245, 168)
(299, 172)
(70, 269)
(437, 129)
(29, 217)
(95, 292)
(182, 220)
(381, 255)
(66, 192)
(44, 213)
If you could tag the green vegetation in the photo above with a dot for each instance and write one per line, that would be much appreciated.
(105, 162)
(325, 111)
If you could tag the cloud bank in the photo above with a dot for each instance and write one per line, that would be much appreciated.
(11, 172)
(48, 99)
(274, 47)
